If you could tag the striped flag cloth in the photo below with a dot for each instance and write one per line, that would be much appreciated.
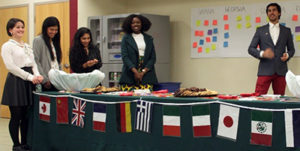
(292, 131)
(78, 112)
(124, 117)
(171, 121)
(99, 117)
(44, 108)
(261, 127)
(201, 120)
(143, 116)
(228, 121)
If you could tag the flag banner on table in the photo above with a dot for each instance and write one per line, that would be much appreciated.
(201, 120)
(78, 112)
(62, 109)
(261, 127)
(99, 117)
(143, 116)
(228, 122)
(171, 121)
(124, 117)
(44, 108)
(292, 131)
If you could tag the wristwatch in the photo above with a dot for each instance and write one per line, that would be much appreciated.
(144, 70)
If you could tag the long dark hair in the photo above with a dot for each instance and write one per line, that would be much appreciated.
(48, 22)
(77, 49)
(126, 26)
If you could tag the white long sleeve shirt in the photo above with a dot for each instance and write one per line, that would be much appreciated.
(16, 56)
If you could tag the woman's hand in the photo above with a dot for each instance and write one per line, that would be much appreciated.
(90, 63)
(40, 79)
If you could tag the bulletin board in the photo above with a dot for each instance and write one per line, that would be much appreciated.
(227, 31)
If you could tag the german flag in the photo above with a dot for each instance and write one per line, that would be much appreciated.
(124, 117)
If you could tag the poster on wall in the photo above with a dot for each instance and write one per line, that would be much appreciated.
(226, 31)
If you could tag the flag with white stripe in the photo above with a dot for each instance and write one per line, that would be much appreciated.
(143, 116)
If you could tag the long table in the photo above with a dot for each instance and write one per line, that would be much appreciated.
(49, 136)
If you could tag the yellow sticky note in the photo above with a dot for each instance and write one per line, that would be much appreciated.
(248, 25)
(298, 38)
(267, 19)
(257, 26)
(207, 50)
(248, 18)
(213, 47)
(198, 22)
(238, 18)
(239, 26)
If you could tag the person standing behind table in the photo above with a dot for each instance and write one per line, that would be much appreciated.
(47, 50)
(138, 55)
(23, 73)
(276, 48)
(84, 56)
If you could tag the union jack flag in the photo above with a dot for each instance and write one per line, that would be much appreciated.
(78, 112)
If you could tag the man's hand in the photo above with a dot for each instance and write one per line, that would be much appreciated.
(268, 53)
(284, 57)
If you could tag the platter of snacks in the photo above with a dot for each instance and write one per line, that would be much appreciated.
(100, 89)
(195, 92)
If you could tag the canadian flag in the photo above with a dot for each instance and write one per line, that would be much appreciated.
(44, 108)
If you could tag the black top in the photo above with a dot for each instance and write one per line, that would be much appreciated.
(78, 57)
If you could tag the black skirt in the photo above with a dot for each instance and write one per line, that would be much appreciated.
(18, 92)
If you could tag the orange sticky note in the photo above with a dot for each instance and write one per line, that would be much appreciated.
(257, 19)
(207, 39)
(199, 49)
(226, 27)
(295, 18)
(206, 23)
(225, 17)
(215, 22)
(194, 44)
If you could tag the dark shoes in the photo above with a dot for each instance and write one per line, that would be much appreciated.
(22, 148)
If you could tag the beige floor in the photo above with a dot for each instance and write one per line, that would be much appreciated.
(5, 141)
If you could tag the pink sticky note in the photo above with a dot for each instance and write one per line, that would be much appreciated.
(226, 27)
(295, 18)
(225, 17)
(206, 23)
(194, 44)
(215, 22)
(199, 49)
(257, 19)
(201, 33)
(207, 39)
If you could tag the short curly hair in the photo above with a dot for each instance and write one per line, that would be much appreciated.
(146, 23)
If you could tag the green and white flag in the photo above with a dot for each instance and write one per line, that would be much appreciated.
(261, 127)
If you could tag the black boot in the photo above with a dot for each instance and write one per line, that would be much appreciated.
(17, 148)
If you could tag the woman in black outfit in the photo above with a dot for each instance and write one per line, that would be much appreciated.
(23, 74)
(84, 56)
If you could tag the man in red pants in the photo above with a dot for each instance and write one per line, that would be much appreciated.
(276, 48)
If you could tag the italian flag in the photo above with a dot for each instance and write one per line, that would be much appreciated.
(261, 127)
(201, 120)
(171, 121)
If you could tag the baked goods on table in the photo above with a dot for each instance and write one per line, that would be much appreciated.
(194, 92)
(102, 89)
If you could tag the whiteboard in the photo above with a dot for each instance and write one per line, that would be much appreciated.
(227, 31)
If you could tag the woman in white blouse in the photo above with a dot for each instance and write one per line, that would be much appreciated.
(23, 74)
(47, 50)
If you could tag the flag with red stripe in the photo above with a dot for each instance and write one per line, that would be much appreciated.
(124, 117)
(201, 120)
(44, 108)
(78, 112)
(171, 121)
(261, 127)
(99, 117)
